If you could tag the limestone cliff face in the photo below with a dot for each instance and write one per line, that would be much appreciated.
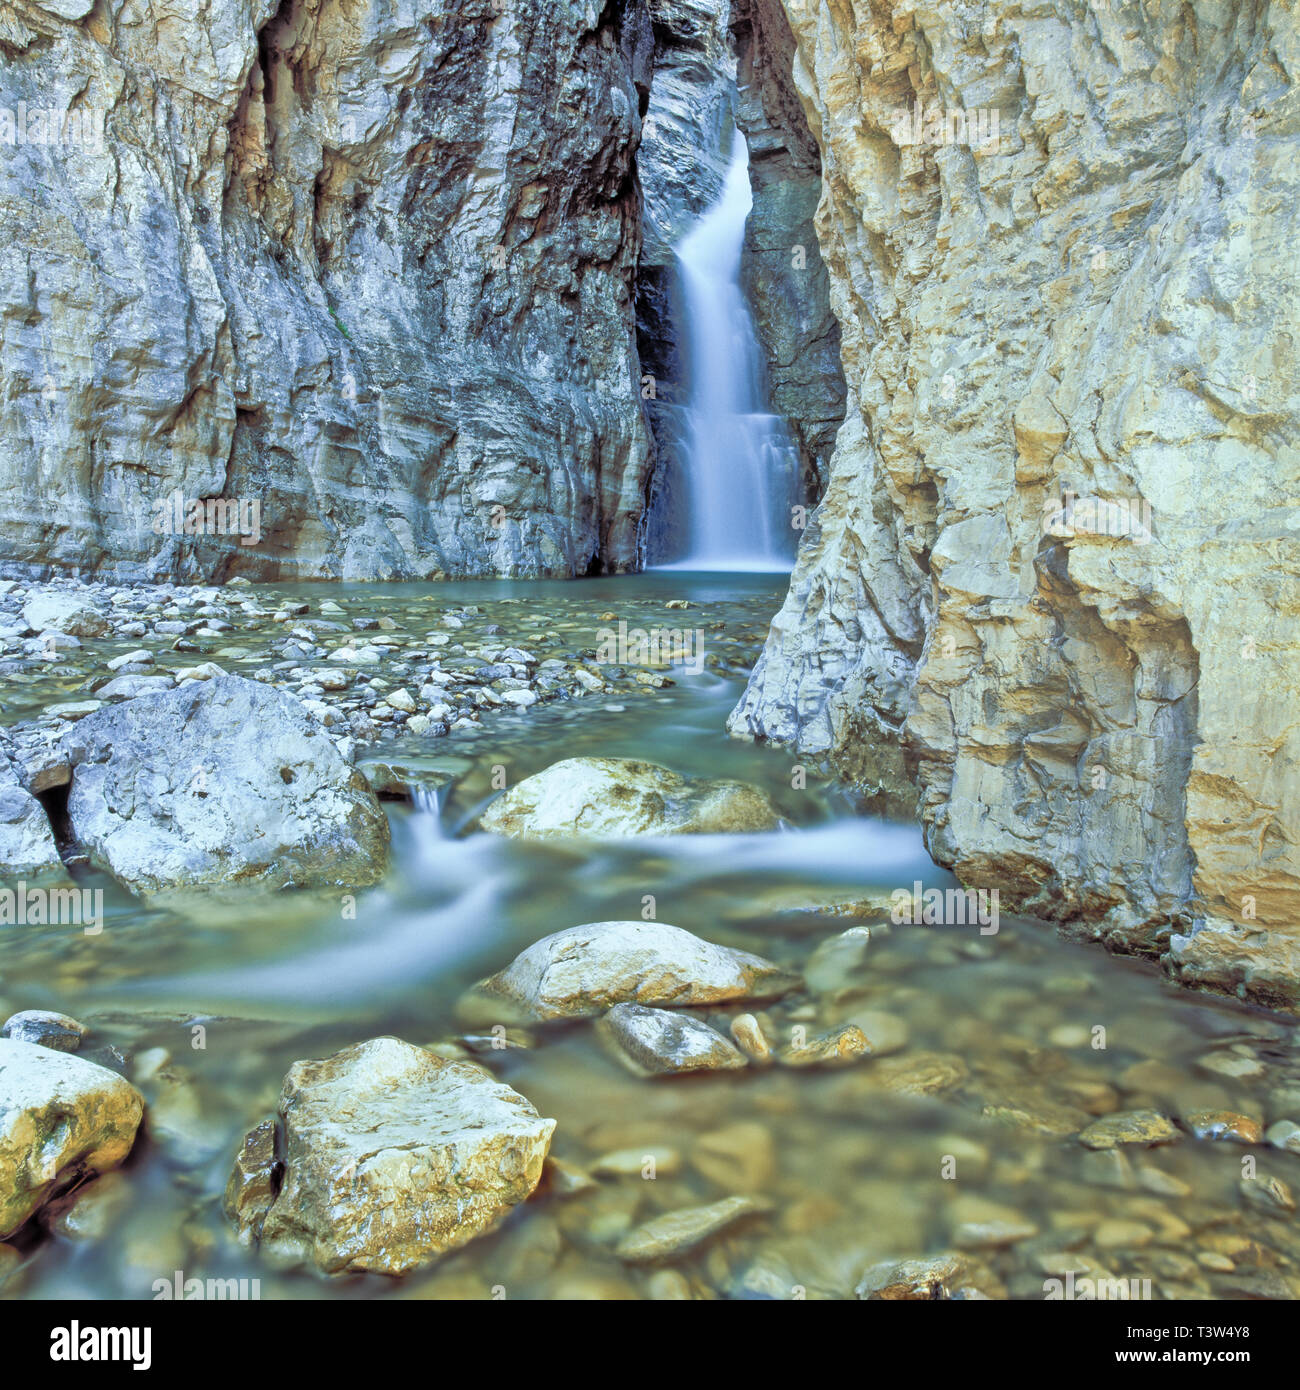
(369, 266)
(1057, 560)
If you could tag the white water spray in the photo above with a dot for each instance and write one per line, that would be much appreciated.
(741, 469)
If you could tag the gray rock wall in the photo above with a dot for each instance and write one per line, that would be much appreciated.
(368, 268)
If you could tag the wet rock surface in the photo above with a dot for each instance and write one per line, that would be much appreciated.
(581, 972)
(657, 1042)
(603, 797)
(389, 1157)
(62, 1119)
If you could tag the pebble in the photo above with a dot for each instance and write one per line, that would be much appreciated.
(981, 1224)
(677, 1232)
(647, 1162)
(1285, 1134)
(921, 1073)
(748, 1036)
(1225, 1124)
(1146, 1127)
(740, 1157)
(837, 1048)
(1233, 1064)
(1267, 1191)
(1119, 1235)
(655, 1042)
(565, 1179)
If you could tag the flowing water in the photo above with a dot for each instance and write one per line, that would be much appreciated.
(964, 1134)
(741, 470)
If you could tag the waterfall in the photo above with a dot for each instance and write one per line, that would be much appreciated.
(741, 468)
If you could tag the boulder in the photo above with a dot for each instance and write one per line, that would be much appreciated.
(225, 780)
(607, 798)
(583, 971)
(62, 1119)
(654, 1042)
(385, 1157)
(26, 840)
(65, 612)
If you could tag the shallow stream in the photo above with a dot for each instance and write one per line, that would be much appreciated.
(963, 1137)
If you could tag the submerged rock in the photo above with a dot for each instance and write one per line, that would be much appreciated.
(583, 971)
(385, 1157)
(837, 1048)
(657, 1041)
(938, 1277)
(678, 1232)
(61, 1119)
(607, 798)
(1146, 1127)
(223, 780)
(1225, 1124)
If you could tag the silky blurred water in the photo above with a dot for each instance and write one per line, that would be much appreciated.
(1000, 1052)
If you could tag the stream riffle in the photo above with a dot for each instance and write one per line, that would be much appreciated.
(961, 1135)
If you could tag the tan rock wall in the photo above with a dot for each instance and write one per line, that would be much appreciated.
(1096, 306)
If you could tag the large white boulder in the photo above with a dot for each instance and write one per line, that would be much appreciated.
(219, 781)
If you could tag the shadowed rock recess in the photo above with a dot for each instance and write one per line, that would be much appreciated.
(1055, 566)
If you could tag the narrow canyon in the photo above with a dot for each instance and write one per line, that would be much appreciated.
(483, 480)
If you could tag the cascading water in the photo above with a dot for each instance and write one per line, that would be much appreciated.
(741, 468)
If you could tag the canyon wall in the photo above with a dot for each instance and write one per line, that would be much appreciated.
(369, 267)
(1056, 565)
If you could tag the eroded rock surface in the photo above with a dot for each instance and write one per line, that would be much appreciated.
(220, 781)
(1065, 323)
(383, 1158)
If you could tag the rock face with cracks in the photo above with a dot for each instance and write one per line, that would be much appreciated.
(384, 1157)
(1056, 564)
(356, 280)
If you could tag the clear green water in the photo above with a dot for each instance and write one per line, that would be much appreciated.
(999, 1029)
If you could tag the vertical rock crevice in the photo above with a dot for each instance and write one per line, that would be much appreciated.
(722, 65)
(1049, 561)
